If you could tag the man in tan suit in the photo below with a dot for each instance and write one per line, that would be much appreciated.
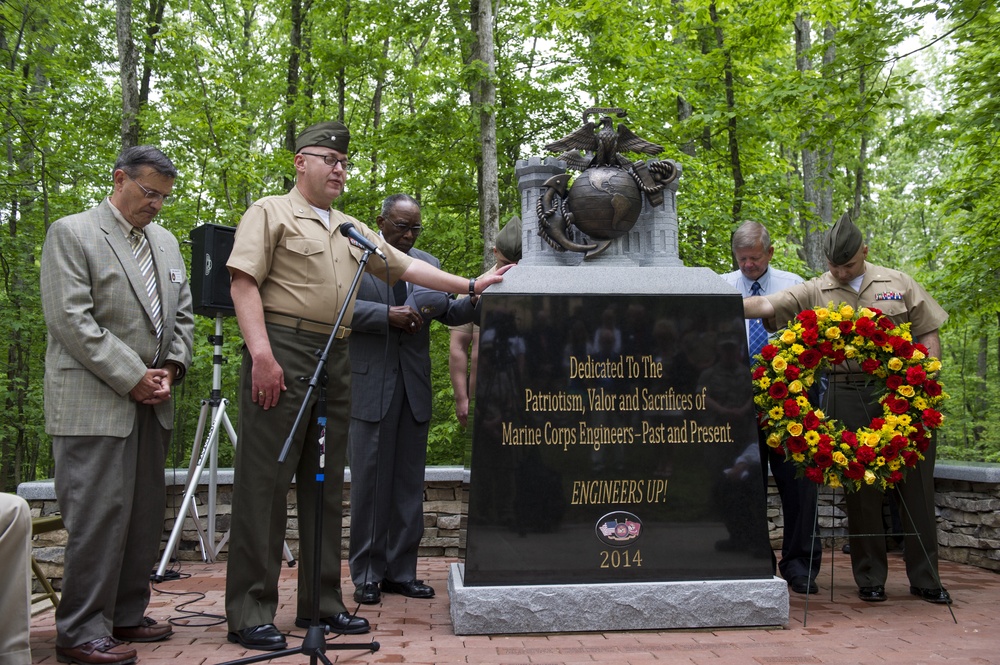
(118, 310)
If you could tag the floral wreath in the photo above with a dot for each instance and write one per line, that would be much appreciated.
(823, 450)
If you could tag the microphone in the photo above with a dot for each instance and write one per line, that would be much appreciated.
(348, 231)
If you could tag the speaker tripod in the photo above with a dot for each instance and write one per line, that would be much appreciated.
(214, 406)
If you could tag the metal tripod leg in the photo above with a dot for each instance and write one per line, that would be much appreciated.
(209, 552)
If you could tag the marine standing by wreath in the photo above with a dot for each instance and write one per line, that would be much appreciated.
(852, 399)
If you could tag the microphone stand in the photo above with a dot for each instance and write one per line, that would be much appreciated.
(314, 644)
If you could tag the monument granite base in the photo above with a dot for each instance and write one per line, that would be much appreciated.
(492, 610)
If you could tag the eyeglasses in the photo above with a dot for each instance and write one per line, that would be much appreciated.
(151, 196)
(330, 160)
(406, 228)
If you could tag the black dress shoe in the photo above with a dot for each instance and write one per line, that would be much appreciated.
(802, 584)
(872, 594)
(343, 624)
(367, 594)
(938, 596)
(262, 638)
(411, 589)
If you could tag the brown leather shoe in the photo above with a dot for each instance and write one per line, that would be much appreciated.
(101, 651)
(147, 631)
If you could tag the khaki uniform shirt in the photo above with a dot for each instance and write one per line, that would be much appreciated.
(895, 293)
(302, 269)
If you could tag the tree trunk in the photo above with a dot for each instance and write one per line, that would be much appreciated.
(483, 95)
(739, 185)
(128, 59)
(154, 19)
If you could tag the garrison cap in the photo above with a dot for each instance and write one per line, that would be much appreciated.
(327, 134)
(509, 239)
(842, 241)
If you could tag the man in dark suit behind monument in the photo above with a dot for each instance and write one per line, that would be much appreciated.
(753, 251)
(390, 414)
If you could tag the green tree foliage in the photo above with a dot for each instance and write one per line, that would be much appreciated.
(225, 84)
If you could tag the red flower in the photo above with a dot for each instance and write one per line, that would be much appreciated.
(796, 444)
(932, 418)
(778, 390)
(792, 372)
(885, 323)
(877, 423)
(810, 421)
(910, 457)
(791, 408)
(889, 452)
(879, 338)
(759, 371)
(893, 382)
(895, 477)
(810, 336)
(932, 388)
(897, 405)
(815, 474)
(850, 438)
(845, 327)
(869, 365)
(916, 375)
(823, 459)
(826, 348)
(855, 471)
(807, 317)
(839, 356)
(769, 352)
(864, 326)
(810, 358)
(865, 454)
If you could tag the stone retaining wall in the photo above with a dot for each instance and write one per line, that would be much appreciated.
(967, 497)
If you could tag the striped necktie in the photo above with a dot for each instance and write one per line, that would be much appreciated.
(758, 336)
(144, 256)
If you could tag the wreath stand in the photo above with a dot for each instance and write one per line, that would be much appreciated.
(816, 534)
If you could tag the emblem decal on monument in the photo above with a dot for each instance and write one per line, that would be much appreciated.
(605, 199)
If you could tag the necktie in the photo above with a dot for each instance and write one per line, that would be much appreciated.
(144, 256)
(399, 292)
(758, 336)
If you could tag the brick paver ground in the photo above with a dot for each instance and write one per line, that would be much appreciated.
(842, 630)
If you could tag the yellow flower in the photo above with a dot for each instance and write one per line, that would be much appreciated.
(809, 380)
(822, 313)
(869, 477)
(867, 313)
(812, 437)
(879, 461)
(773, 440)
(839, 458)
(798, 457)
(795, 429)
(820, 414)
(933, 366)
(833, 481)
(795, 387)
(846, 312)
(779, 364)
(871, 439)
(777, 413)
(835, 316)
(787, 336)
(918, 355)
(895, 364)
(906, 390)
(850, 351)
(802, 401)
(904, 420)
(833, 332)
(797, 349)
(920, 403)
(764, 382)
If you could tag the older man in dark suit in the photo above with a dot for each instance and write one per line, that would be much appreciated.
(390, 414)
(118, 310)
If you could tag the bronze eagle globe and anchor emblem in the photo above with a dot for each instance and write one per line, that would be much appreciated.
(605, 199)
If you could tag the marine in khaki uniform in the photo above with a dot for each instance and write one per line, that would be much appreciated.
(851, 400)
(291, 270)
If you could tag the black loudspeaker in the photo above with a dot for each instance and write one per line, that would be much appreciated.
(211, 245)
